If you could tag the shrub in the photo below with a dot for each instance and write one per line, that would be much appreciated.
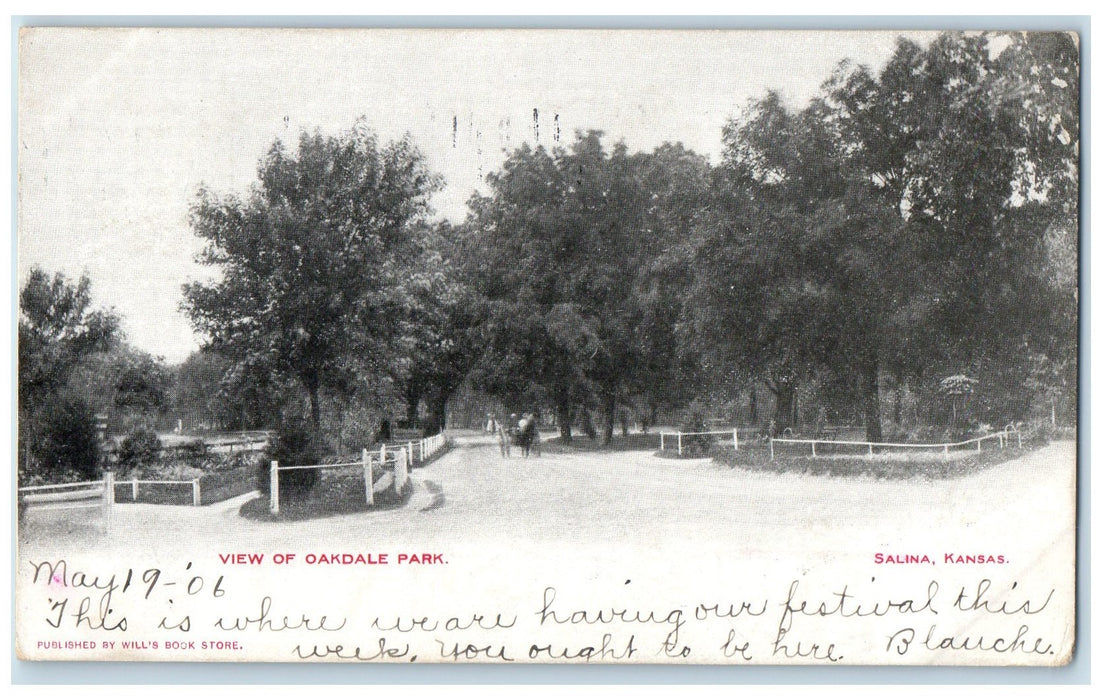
(694, 422)
(66, 439)
(194, 452)
(293, 444)
(140, 447)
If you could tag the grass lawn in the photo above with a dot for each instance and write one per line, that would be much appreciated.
(583, 443)
(338, 492)
(754, 456)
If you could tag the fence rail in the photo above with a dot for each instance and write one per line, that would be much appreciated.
(1003, 436)
(135, 487)
(81, 494)
(395, 462)
(733, 432)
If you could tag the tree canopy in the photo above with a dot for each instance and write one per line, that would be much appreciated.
(567, 253)
(312, 262)
(898, 222)
(58, 330)
(906, 226)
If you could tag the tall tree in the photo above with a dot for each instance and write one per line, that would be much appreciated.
(567, 251)
(312, 261)
(441, 326)
(893, 225)
(964, 147)
(519, 252)
(58, 330)
(765, 296)
(130, 385)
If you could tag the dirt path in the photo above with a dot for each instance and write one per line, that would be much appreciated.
(474, 495)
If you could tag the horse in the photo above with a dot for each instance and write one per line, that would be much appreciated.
(524, 435)
(527, 435)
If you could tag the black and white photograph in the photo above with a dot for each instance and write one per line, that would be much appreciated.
(547, 346)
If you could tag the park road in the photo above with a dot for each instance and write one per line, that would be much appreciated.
(484, 535)
(473, 495)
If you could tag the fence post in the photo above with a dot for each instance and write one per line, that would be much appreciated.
(382, 456)
(734, 438)
(662, 441)
(813, 449)
(273, 505)
(196, 496)
(979, 441)
(409, 458)
(108, 497)
(134, 490)
(771, 449)
(947, 452)
(679, 442)
(108, 488)
(400, 473)
(369, 485)
(870, 449)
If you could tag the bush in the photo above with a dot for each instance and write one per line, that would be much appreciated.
(140, 447)
(294, 444)
(64, 439)
(194, 452)
(694, 422)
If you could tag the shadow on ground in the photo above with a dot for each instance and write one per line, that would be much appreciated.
(437, 496)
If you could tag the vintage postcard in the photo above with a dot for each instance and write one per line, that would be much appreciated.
(547, 346)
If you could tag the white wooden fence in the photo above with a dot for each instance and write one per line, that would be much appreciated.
(135, 488)
(1004, 437)
(679, 435)
(395, 461)
(82, 494)
(429, 446)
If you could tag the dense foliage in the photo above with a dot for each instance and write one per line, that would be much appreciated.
(908, 237)
(314, 267)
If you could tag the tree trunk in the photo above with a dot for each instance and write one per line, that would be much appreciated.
(340, 427)
(870, 389)
(413, 401)
(587, 423)
(562, 415)
(437, 407)
(897, 410)
(786, 400)
(610, 417)
(313, 391)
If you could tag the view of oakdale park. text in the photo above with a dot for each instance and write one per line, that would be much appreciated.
(543, 346)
